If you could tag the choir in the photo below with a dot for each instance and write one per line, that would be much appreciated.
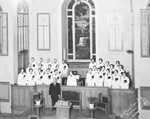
(42, 72)
(99, 74)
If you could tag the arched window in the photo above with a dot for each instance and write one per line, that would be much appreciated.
(81, 30)
(145, 31)
(3, 32)
(23, 34)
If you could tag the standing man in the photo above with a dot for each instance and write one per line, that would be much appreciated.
(54, 92)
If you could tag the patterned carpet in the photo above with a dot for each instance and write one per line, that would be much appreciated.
(48, 114)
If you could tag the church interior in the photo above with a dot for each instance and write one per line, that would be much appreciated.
(86, 39)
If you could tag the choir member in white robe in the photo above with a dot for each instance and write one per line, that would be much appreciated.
(107, 65)
(33, 64)
(28, 68)
(116, 67)
(21, 78)
(47, 77)
(100, 63)
(57, 76)
(116, 80)
(112, 70)
(39, 77)
(41, 64)
(48, 62)
(94, 71)
(90, 78)
(124, 81)
(30, 77)
(71, 80)
(99, 78)
(103, 70)
(108, 79)
(59, 70)
(64, 68)
(121, 70)
(92, 63)
(54, 64)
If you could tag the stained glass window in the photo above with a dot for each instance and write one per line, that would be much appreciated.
(3, 32)
(23, 27)
(81, 30)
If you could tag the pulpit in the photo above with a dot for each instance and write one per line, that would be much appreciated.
(63, 109)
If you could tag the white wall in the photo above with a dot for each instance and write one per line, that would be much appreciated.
(142, 65)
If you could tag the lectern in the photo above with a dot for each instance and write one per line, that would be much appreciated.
(63, 109)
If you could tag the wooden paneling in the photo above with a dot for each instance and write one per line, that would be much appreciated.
(122, 99)
(21, 96)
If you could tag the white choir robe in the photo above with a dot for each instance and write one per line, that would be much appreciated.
(99, 79)
(21, 79)
(39, 78)
(116, 68)
(125, 82)
(47, 78)
(116, 81)
(64, 69)
(71, 80)
(90, 79)
(91, 65)
(108, 80)
(27, 70)
(121, 71)
(58, 77)
(30, 77)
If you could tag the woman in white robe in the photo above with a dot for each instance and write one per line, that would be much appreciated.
(108, 79)
(47, 77)
(21, 78)
(39, 77)
(124, 81)
(71, 80)
(64, 68)
(30, 77)
(99, 78)
(116, 80)
(90, 78)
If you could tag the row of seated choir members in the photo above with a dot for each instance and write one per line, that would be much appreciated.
(42, 72)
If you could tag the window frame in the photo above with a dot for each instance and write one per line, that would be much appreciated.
(40, 49)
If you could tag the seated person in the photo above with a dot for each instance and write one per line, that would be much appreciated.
(39, 77)
(92, 63)
(116, 80)
(108, 79)
(99, 78)
(90, 78)
(100, 63)
(30, 77)
(71, 80)
(64, 68)
(124, 81)
(21, 78)
(47, 77)
(57, 76)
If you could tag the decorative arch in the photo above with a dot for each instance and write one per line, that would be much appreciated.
(23, 34)
(80, 25)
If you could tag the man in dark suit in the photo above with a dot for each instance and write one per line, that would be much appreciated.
(54, 92)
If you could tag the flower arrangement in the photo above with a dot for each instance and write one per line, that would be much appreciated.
(92, 100)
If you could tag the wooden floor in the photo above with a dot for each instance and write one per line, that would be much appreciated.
(48, 114)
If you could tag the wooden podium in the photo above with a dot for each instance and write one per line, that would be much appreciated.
(63, 111)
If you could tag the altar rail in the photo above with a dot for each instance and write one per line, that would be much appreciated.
(121, 99)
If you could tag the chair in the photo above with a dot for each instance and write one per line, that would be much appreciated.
(37, 97)
(74, 97)
(103, 103)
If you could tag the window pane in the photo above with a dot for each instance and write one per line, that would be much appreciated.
(43, 31)
(70, 38)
